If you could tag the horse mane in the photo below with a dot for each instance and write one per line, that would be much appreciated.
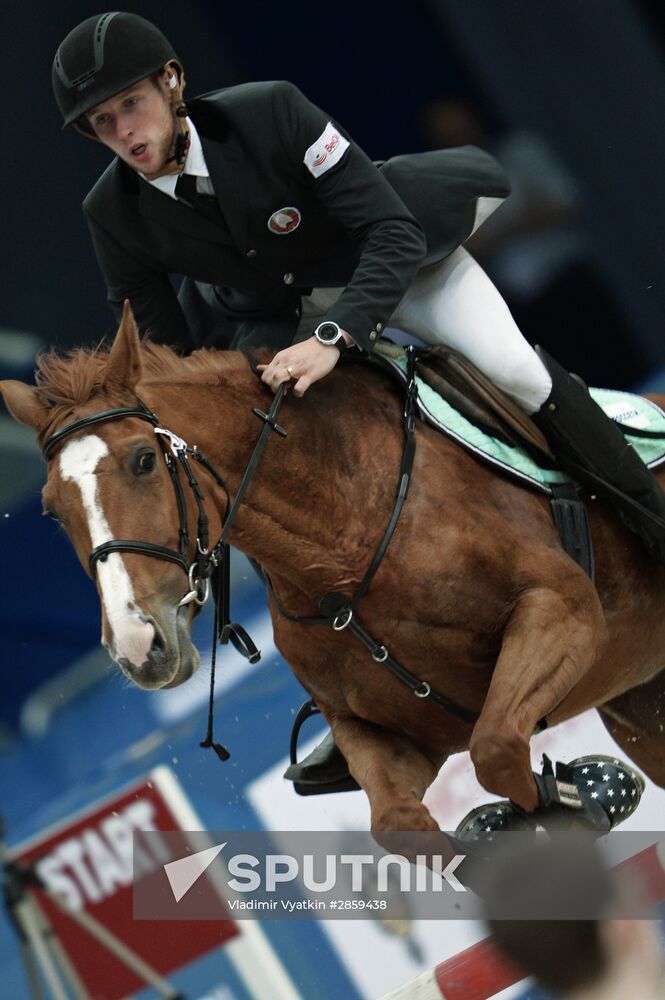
(72, 378)
(163, 363)
(77, 376)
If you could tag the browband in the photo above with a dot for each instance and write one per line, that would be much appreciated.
(97, 418)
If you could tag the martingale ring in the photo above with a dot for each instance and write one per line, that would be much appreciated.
(342, 620)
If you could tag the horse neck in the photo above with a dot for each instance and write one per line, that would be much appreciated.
(289, 521)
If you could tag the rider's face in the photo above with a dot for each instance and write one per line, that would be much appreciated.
(138, 125)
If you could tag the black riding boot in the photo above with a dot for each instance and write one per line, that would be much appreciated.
(324, 770)
(590, 446)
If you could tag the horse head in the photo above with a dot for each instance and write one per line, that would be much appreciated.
(108, 480)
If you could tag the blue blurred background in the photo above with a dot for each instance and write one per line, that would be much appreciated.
(570, 97)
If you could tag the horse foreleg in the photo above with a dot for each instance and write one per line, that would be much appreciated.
(395, 774)
(549, 643)
(391, 770)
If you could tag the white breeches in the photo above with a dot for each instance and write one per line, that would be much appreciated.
(454, 303)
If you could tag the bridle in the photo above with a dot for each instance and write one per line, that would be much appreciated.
(206, 561)
(177, 454)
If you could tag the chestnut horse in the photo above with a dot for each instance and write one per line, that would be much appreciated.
(475, 594)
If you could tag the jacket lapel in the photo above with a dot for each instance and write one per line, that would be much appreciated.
(226, 165)
(158, 207)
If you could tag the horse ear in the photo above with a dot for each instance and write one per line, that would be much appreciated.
(124, 368)
(25, 404)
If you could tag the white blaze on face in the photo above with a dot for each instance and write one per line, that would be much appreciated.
(131, 638)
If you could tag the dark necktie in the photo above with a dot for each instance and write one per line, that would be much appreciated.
(186, 191)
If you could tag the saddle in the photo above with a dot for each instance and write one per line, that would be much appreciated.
(464, 387)
(483, 404)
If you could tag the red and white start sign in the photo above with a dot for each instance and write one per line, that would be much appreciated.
(90, 860)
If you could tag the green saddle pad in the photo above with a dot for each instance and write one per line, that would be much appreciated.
(625, 407)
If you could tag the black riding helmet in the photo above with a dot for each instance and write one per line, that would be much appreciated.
(103, 56)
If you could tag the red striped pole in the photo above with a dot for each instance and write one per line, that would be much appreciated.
(474, 974)
(480, 972)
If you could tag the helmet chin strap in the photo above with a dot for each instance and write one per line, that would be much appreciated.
(173, 164)
(182, 141)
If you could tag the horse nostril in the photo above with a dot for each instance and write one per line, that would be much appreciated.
(158, 647)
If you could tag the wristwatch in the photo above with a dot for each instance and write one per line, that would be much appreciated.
(329, 333)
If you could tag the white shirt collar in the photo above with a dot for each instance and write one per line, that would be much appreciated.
(195, 164)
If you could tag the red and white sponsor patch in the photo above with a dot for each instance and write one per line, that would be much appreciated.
(284, 220)
(328, 150)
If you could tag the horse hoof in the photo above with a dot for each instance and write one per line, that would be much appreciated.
(596, 792)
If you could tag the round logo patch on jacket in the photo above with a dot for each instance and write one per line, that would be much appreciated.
(284, 220)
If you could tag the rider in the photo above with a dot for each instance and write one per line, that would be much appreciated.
(287, 235)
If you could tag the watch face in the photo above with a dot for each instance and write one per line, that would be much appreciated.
(328, 332)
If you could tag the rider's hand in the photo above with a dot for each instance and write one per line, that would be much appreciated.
(304, 363)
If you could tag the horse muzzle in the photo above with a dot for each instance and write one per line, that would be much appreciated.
(167, 661)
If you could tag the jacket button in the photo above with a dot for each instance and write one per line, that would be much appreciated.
(372, 335)
(288, 278)
(379, 327)
(251, 253)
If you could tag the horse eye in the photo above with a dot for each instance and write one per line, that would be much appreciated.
(145, 462)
